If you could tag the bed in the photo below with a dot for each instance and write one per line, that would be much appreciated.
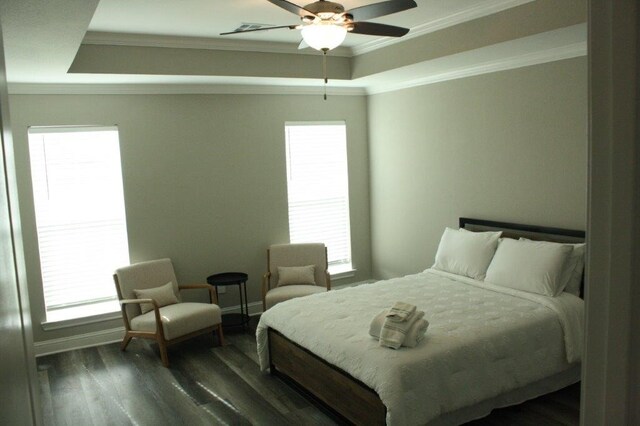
(487, 346)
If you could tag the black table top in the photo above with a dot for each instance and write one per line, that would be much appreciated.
(227, 278)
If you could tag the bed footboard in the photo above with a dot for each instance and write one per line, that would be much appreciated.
(333, 388)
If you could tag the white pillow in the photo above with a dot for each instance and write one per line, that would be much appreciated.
(533, 266)
(577, 259)
(163, 296)
(572, 276)
(466, 253)
(292, 275)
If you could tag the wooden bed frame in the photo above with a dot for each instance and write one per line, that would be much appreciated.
(341, 395)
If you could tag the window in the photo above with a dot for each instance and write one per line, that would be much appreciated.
(318, 188)
(80, 218)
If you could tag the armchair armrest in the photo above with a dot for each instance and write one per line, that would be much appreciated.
(326, 271)
(138, 301)
(156, 310)
(192, 286)
(212, 293)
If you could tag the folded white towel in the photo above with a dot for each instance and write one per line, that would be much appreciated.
(394, 332)
(416, 333)
(413, 334)
(401, 311)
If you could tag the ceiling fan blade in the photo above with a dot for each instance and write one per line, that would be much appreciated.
(293, 8)
(291, 27)
(375, 10)
(372, 28)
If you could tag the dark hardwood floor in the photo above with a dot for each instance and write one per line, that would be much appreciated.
(208, 384)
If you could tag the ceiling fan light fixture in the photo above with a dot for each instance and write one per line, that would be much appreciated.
(324, 36)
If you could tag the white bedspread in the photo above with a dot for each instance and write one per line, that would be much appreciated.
(482, 340)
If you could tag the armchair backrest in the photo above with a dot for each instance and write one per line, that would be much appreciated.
(302, 254)
(144, 275)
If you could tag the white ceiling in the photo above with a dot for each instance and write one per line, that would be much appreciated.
(208, 18)
(42, 39)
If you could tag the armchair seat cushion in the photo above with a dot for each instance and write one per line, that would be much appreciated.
(280, 294)
(179, 319)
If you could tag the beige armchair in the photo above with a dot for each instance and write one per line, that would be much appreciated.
(149, 296)
(294, 270)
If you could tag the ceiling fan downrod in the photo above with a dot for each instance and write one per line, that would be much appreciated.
(324, 71)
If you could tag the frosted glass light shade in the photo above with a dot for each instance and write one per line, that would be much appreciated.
(324, 36)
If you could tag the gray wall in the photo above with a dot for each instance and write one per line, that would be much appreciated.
(509, 146)
(204, 179)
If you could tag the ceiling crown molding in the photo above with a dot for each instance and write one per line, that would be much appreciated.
(177, 89)
(529, 59)
(149, 40)
(469, 14)
(534, 58)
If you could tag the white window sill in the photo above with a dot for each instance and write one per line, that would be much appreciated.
(80, 315)
(341, 272)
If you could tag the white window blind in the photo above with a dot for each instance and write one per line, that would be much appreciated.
(80, 213)
(318, 188)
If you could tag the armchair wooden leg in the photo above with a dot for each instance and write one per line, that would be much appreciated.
(163, 353)
(220, 335)
(125, 342)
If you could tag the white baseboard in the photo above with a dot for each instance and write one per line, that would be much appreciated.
(255, 308)
(79, 341)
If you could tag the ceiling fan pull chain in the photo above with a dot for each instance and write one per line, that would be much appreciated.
(324, 71)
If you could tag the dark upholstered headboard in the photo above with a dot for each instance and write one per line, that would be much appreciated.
(516, 230)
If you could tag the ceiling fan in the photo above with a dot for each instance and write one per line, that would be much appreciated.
(325, 24)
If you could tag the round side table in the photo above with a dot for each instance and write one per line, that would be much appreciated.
(233, 278)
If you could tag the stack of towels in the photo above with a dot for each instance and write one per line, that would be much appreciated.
(402, 325)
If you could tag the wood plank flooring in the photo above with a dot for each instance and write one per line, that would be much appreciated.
(210, 385)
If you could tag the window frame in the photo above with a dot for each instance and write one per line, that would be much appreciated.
(105, 306)
(337, 269)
